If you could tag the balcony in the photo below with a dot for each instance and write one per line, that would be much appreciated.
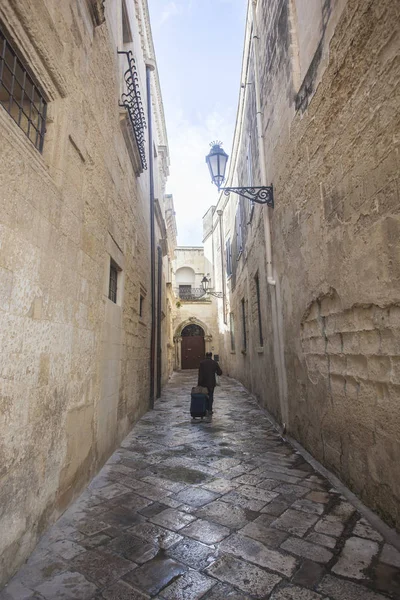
(186, 293)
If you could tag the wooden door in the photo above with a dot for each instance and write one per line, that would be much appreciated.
(193, 350)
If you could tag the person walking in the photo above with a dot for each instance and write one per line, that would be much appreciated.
(207, 370)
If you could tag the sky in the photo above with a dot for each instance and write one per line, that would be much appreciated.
(199, 46)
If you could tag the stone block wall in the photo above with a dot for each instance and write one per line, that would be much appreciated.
(74, 371)
(331, 130)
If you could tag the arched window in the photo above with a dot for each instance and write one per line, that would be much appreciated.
(185, 278)
(192, 330)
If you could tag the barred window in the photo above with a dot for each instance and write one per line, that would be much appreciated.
(20, 96)
(112, 288)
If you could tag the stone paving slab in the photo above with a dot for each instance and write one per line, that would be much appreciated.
(224, 510)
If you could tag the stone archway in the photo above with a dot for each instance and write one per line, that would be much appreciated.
(178, 337)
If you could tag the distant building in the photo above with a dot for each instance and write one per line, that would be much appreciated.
(75, 263)
(195, 315)
(311, 313)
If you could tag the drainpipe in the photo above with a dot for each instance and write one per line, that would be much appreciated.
(260, 134)
(221, 238)
(149, 69)
(159, 300)
(275, 301)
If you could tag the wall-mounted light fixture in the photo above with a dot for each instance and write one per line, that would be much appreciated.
(216, 161)
(206, 285)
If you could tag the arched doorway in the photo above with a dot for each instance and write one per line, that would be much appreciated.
(193, 346)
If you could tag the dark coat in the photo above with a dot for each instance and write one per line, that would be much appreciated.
(207, 371)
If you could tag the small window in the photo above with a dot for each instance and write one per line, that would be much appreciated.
(232, 331)
(141, 305)
(20, 96)
(244, 325)
(185, 292)
(228, 250)
(260, 333)
(113, 283)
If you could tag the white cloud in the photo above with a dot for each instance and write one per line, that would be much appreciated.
(189, 181)
(170, 10)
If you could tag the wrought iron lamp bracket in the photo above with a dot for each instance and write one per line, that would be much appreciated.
(260, 195)
(216, 294)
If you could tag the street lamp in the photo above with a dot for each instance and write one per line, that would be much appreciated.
(205, 284)
(216, 161)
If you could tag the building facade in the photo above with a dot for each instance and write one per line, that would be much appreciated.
(195, 314)
(79, 90)
(310, 321)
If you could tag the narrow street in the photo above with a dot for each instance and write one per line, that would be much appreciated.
(221, 511)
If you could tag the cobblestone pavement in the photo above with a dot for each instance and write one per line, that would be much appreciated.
(221, 511)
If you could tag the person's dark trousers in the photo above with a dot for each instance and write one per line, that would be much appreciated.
(210, 398)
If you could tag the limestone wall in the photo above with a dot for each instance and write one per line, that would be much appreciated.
(74, 371)
(330, 108)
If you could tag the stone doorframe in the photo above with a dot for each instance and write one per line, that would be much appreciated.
(178, 339)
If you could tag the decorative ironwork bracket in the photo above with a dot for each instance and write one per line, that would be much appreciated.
(261, 195)
(216, 294)
(132, 101)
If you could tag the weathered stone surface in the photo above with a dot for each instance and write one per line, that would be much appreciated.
(295, 522)
(308, 506)
(257, 558)
(206, 531)
(172, 519)
(190, 586)
(267, 535)
(339, 589)
(363, 529)
(192, 553)
(156, 535)
(292, 592)
(320, 538)
(307, 550)
(67, 586)
(356, 557)
(309, 574)
(122, 591)
(238, 500)
(132, 548)
(100, 567)
(225, 514)
(329, 526)
(222, 591)
(195, 497)
(248, 578)
(155, 575)
(255, 552)
(390, 556)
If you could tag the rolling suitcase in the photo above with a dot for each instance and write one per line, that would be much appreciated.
(198, 402)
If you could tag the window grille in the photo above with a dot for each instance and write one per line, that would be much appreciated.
(260, 333)
(112, 288)
(132, 101)
(20, 96)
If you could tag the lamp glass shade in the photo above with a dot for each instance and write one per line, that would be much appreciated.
(204, 283)
(217, 160)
